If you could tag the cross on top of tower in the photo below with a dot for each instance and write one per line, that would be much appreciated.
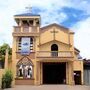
(29, 9)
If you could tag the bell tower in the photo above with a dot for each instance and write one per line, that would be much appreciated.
(25, 39)
(28, 25)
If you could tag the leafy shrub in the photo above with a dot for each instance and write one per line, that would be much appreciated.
(7, 79)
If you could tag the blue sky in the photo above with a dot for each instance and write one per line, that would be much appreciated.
(73, 14)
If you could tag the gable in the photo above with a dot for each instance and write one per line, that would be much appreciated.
(45, 28)
(61, 34)
(61, 46)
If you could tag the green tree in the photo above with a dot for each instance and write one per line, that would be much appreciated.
(3, 52)
(3, 49)
(7, 79)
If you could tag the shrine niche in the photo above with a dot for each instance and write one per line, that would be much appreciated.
(24, 68)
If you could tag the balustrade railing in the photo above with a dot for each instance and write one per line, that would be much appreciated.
(54, 54)
(20, 29)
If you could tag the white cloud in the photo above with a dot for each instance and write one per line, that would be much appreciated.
(82, 37)
(50, 17)
(11, 7)
(83, 5)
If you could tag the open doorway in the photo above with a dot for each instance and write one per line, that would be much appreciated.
(54, 73)
(77, 77)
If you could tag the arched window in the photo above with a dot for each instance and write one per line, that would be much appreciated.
(25, 68)
(19, 44)
(31, 44)
(31, 40)
(54, 50)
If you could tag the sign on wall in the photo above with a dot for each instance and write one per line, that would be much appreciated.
(25, 46)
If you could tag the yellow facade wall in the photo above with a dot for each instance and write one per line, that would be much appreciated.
(1, 73)
(60, 36)
(78, 66)
(61, 46)
(47, 34)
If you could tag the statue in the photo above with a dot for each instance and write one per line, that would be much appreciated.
(29, 72)
(21, 71)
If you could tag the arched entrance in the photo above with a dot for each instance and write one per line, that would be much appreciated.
(24, 68)
(54, 50)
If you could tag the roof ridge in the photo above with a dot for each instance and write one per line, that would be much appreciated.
(27, 14)
(43, 29)
(54, 24)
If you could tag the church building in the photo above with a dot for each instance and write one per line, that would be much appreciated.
(44, 55)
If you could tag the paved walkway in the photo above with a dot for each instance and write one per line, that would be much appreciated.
(49, 87)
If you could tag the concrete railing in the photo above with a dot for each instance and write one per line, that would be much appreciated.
(54, 54)
(26, 29)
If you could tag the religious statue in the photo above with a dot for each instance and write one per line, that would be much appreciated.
(29, 72)
(25, 71)
(21, 71)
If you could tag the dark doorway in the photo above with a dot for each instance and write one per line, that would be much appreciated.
(54, 73)
(77, 77)
(2, 62)
(54, 50)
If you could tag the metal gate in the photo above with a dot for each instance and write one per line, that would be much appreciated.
(87, 76)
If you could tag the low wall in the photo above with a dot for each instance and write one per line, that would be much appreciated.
(1, 73)
(24, 81)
